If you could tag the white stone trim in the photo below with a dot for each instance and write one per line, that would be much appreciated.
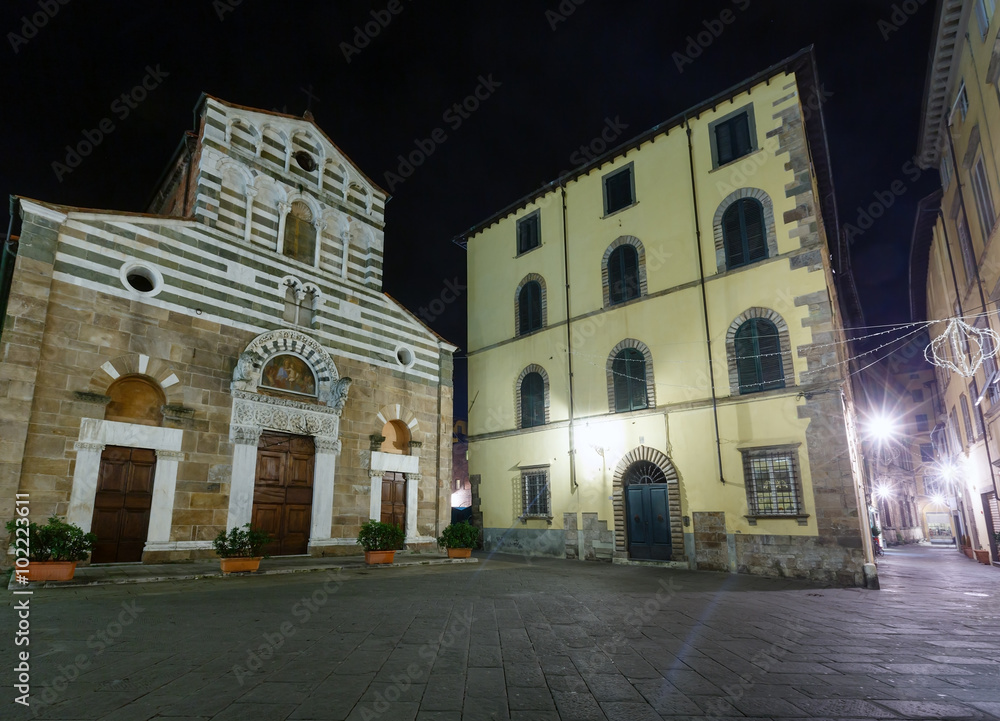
(334, 542)
(42, 211)
(385, 462)
(179, 546)
(94, 436)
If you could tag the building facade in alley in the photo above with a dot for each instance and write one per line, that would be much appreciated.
(226, 357)
(657, 363)
(955, 266)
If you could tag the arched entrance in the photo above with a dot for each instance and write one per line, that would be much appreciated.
(647, 522)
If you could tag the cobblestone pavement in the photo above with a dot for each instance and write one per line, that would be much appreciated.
(510, 639)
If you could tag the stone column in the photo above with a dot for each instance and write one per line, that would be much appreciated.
(327, 450)
(245, 439)
(346, 238)
(283, 209)
(251, 194)
(412, 486)
(84, 492)
(320, 226)
(164, 483)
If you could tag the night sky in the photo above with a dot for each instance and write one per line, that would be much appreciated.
(555, 75)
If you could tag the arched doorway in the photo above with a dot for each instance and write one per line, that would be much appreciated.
(647, 508)
(397, 441)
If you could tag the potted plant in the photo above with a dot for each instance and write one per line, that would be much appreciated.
(380, 541)
(459, 539)
(52, 550)
(983, 556)
(241, 549)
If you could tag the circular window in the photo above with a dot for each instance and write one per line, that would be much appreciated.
(405, 356)
(141, 278)
(305, 161)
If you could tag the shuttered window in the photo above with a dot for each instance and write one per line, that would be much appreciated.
(529, 308)
(977, 419)
(969, 434)
(743, 233)
(623, 274)
(732, 139)
(619, 190)
(529, 233)
(758, 356)
(629, 371)
(532, 401)
(984, 198)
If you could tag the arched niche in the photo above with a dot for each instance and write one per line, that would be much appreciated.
(135, 399)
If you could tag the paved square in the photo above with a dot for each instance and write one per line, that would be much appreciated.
(510, 639)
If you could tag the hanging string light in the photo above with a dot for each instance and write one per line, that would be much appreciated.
(962, 348)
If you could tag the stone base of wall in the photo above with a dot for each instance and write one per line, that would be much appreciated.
(179, 556)
(805, 557)
(572, 536)
(598, 540)
(711, 547)
(905, 535)
(526, 541)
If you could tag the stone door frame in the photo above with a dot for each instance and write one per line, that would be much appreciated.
(645, 453)
(94, 435)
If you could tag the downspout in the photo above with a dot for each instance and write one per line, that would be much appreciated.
(569, 352)
(6, 258)
(704, 299)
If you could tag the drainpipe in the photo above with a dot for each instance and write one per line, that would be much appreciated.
(704, 299)
(6, 260)
(569, 349)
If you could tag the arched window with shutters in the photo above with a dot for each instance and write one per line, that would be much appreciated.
(529, 307)
(623, 274)
(300, 233)
(744, 233)
(629, 369)
(758, 355)
(532, 400)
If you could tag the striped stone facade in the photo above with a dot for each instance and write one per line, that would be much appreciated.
(219, 300)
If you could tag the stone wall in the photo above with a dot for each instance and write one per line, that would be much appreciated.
(710, 543)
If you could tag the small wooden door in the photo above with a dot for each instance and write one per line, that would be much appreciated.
(647, 508)
(394, 499)
(282, 494)
(121, 506)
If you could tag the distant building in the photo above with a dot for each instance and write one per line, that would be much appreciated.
(955, 266)
(227, 357)
(656, 347)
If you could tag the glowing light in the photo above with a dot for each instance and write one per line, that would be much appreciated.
(947, 471)
(882, 427)
(882, 491)
(937, 500)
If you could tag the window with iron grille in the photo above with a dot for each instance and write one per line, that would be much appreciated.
(619, 190)
(535, 496)
(772, 479)
(757, 346)
(529, 232)
(743, 233)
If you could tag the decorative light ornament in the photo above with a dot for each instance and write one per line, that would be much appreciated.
(948, 349)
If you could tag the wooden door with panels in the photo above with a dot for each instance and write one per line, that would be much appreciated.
(283, 489)
(122, 504)
(394, 499)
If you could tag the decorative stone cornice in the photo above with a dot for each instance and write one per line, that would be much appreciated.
(86, 446)
(244, 435)
(328, 445)
(163, 455)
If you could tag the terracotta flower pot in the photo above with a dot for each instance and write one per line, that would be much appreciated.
(375, 557)
(51, 570)
(459, 552)
(239, 564)
(969, 553)
(983, 557)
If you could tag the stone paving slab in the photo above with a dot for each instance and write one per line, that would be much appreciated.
(514, 639)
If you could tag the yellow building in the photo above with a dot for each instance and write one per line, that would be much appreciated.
(953, 253)
(656, 361)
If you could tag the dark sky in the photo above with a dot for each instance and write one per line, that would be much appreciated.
(557, 78)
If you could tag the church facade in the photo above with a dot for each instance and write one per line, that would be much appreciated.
(227, 357)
